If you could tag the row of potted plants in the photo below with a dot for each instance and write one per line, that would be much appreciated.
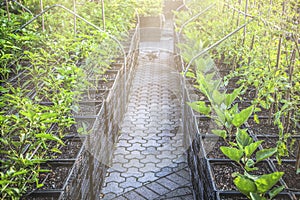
(53, 80)
(237, 107)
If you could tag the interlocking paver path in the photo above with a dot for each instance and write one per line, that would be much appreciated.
(149, 160)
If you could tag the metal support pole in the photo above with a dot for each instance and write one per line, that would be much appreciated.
(7, 10)
(43, 20)
(22, 6)
(103, 14)
(74, 9)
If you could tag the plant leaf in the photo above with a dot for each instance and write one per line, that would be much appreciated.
(232, 153)
(250, 166)
(200, 107)
(245, 185)
(220, 133)
(265, 153)
(275, 191)
(243, 139)
(229, 99)
(217, 97)
(49, 137)
(20, 172)
(255, 196)
(267, 181)
(221, 115)
(256, 118)
(240, 118)
(249, 150)
(56, 150)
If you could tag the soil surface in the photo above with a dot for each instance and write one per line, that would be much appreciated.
(56, 178)
(290, 177)
(263, 128)
(222, 173)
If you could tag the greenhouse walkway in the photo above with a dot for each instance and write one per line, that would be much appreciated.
(149, 160)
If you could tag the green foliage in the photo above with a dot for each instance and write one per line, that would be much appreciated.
(149, 7)
(264, 57)
(49, 66)
(200, 106)
(256, 187)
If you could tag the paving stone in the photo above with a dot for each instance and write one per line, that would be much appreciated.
(134, 163)
(151, 151)
(147, 177)
(166, 132)
(184, 173)
(125, 136)
(179, 159)
(134, 195)
(147, 193)
(165, 154)
(171, 198)
(136, 147)
(118, 167)
(132, 172)
(121, 150)
(120, 198)
(114, 177)
(149, 167)
(164, 171)
(140, 133)
(180, 192)
(152, 136)
(135, 154)
(138, 139)
(168, 183)
(123, 143)
(164, 162)
(130, 182)
(108, 196)
(141, 120)
(112, 187)
(178, 179)
(188, 197)
(161, 190)
(151, 143)
(119, 158)
(148, 161)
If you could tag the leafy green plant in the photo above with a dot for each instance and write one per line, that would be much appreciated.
(241, 147)
(262, 57)
(150, 7)
(52, 67)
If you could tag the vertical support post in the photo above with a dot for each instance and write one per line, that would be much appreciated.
(103, 14)
(7, 10)
(43, 20)
(298, 157)
(238, 17)
(74, 9)
(245, 17)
